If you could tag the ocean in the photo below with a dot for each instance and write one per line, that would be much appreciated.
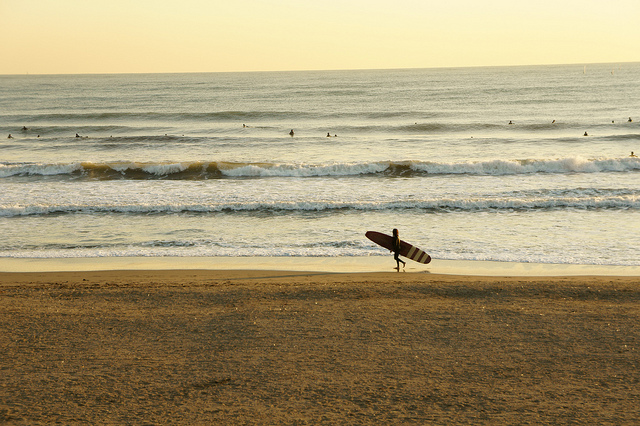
(468, 163)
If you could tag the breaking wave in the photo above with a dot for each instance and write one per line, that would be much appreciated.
(199, 170)
(585, 200)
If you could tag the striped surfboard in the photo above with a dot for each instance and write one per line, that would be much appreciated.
(406, 249)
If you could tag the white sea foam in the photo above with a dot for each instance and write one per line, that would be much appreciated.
(164, 169)
(514, 167)
(621, 202)
(35, 169)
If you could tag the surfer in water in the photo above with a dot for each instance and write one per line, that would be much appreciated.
(396, 249)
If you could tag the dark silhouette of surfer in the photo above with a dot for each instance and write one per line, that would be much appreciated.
(291, 133)
(633, 155)
(397, 246)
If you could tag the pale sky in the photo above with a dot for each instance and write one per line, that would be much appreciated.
(131, 36)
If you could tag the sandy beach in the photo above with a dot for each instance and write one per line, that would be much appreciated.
(197, 346)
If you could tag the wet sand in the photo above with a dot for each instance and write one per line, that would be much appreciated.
(347, 264)
(292, 347)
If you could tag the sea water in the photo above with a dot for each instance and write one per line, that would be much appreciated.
(468, 163)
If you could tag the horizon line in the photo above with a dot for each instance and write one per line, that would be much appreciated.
(323, 70)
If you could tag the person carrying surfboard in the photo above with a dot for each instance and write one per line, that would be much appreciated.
(402, 248)
(396, 249)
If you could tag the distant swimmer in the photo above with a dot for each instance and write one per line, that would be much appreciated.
(24, 128)
(629, 120)
(335, 136)
(585, 134)
(328, 135)
(291, 133)
(510, 122)
(9, 137)
(77, 135)
(633, 155)
(553, 122)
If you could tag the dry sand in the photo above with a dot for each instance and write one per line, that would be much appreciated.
(269, 347)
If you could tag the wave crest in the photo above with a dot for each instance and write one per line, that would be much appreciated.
(574, 200)
(216, 170)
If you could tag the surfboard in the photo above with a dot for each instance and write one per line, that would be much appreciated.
(406, 249)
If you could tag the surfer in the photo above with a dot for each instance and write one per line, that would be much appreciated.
(9, 137)
(397, 246)
(328, 135)
(630, 120)
(585, 134)
(291, 133)
(633, 155)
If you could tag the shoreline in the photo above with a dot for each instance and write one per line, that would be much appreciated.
(355, 264)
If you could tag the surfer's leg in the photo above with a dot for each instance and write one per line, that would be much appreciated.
(396, 256)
